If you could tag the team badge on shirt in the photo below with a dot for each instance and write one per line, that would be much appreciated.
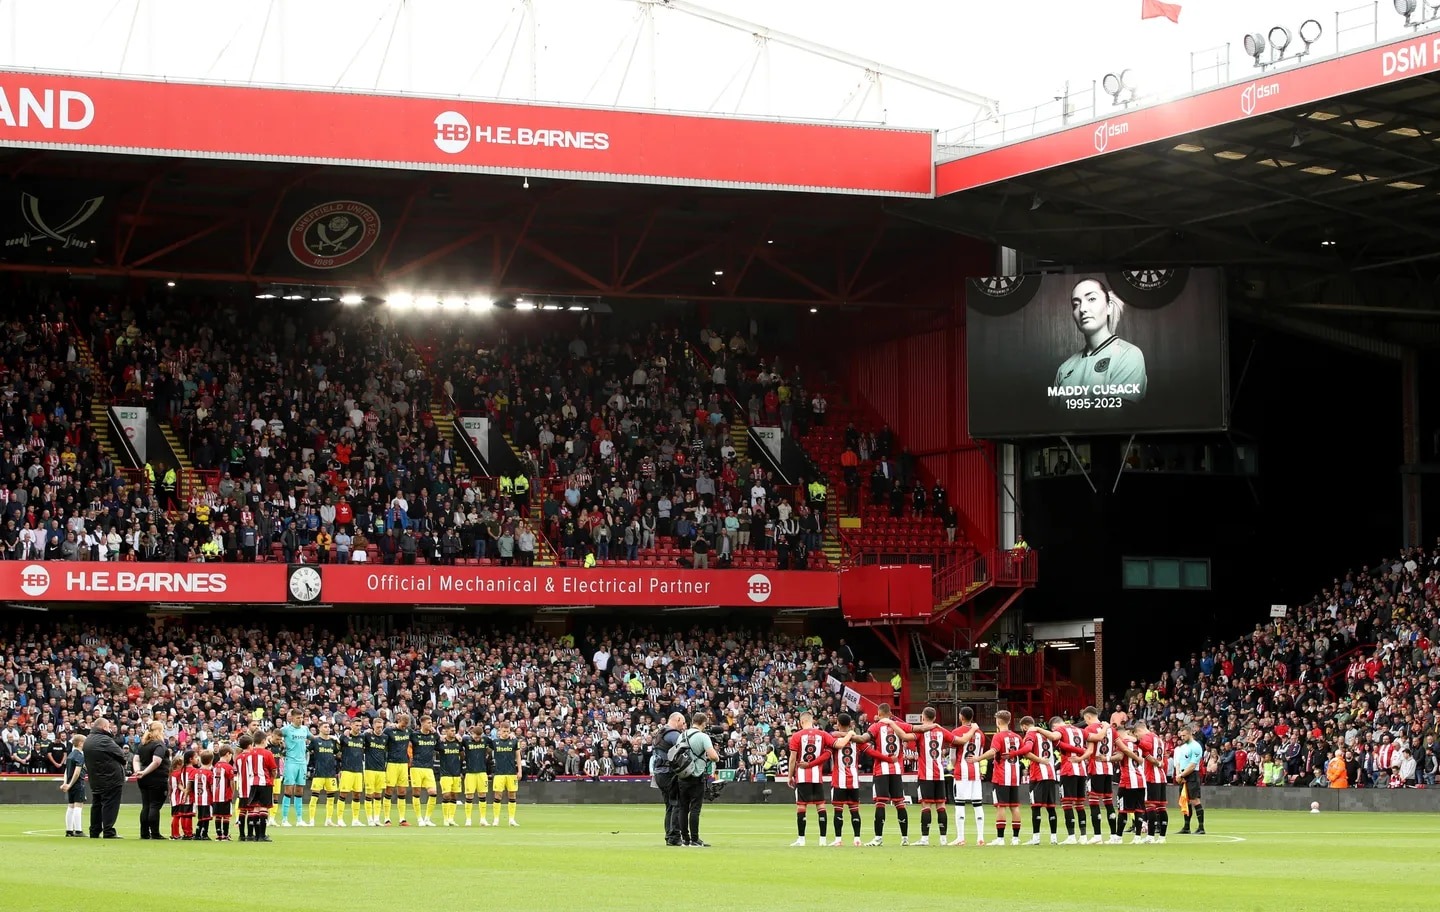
(1101, 365)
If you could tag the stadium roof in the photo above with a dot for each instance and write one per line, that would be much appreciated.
(1323, 197)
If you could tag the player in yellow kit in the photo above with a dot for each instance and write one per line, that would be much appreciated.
(479, 762)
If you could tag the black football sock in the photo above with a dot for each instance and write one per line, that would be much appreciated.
(1080, 820)
(820, 813)
(1015, 829)
(854, 822)
(800, 823)
(925, 822)
(1138, 822)
(1000, 831)
(1035, 819)
(1200, 815)
(944, 816)
(1164, 821)
(1095, 818)
(1054, 821)
(903, 815)
(1117, 827)
(879, 820)
(840, 824)
(1070, 821)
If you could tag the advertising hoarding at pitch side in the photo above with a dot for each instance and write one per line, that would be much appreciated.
(1134, 351)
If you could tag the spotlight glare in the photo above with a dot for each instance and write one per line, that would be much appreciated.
(814, 310)
(481, 303)
(351, 299)
(550, 307)
(574, 307)
(401, 300)
(294, 296)
(427, 301)
(522, 304)
(169, 284)
(265, 296)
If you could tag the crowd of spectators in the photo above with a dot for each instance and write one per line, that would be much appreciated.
(316, 424)
(1342, 692)
(586, 705)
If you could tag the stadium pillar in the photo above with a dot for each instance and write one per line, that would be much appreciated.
(1100, 663)
(1008, 264)
(1410, 512)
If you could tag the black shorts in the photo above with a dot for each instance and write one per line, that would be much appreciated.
(1043, 793)
(76, 795)
(220, 809)
(203, 811)
(1155, 794)
(262, 796)
(1132, 801)
(1192, 788)
(180, 810)
(809, 793)
(889, 789)
(1074, 788)
(933, 791)
(845, 797)
(1101, 785)
(1007, 796)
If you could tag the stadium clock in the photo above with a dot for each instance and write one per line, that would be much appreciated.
(305, 583)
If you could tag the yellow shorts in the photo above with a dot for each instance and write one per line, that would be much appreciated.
(374, 782)
(450, 785)
(508, 784)
(477, 783)
(397, 775)
(422, 778)
(350, 783)
(324, 786)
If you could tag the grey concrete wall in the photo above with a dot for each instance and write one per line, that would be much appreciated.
(44, 791)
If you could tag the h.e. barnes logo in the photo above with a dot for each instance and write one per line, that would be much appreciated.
(334, 234)
(62, 233)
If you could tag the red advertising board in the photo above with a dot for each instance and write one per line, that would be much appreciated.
(87, 581)
(1265, 94)
(264, 584)
(405, 131)
(617, 587)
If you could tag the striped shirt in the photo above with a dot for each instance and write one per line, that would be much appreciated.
(934, 752)
(967, 764)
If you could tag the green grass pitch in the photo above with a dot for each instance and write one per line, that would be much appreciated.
(600, 858)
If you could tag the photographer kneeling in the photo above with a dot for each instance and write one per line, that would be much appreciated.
(691, 759)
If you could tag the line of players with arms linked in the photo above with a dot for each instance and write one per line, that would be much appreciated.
(1077, 766)
(374, 769)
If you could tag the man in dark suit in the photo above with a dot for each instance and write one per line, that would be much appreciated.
(105, 764)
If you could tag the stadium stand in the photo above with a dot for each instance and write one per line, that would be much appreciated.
(1355, 670)
(596, 697)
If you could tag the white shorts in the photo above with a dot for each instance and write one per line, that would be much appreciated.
(967, 790)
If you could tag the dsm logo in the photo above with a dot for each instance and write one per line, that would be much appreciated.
(1107, 131)
(1254, 93)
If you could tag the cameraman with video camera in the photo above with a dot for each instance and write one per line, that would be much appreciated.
(691, 758)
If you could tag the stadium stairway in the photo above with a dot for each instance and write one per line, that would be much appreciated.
(100, 404)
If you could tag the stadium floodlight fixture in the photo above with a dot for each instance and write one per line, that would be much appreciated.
(427, 302)
(1115, 84)
(1432, 12)
(351, 299)
(1279, 38)
(1310, 32)
(323, 297)
(294, 296)
(266, 296)
(401, 300)
(480, 303)
(1406, 8)
(522, 304)
(1255, 46)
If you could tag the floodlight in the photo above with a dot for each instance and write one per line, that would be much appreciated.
(1113, 88)
(1406, 8)
(1255, 46)
(480, 303)
(401, 300)
(1279, 40)
(1310, 32)
(351, 299)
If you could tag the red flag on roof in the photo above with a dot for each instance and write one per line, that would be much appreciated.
(1154, 9)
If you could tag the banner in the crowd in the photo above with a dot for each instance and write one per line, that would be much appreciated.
(200, 120)
(134, 423)
(1275, 90)
(772, 438)
(86, 581)
(1133, 351)
(265, 584)
(477, 429)
(53, 222)
(601, 586)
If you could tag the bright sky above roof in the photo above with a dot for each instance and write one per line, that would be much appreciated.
(599, 52)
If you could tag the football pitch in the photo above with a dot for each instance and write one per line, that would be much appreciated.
(601, 858)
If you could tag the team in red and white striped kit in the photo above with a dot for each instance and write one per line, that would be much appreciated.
(1066, 765)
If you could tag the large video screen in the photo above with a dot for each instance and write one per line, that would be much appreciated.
(1133, 351)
